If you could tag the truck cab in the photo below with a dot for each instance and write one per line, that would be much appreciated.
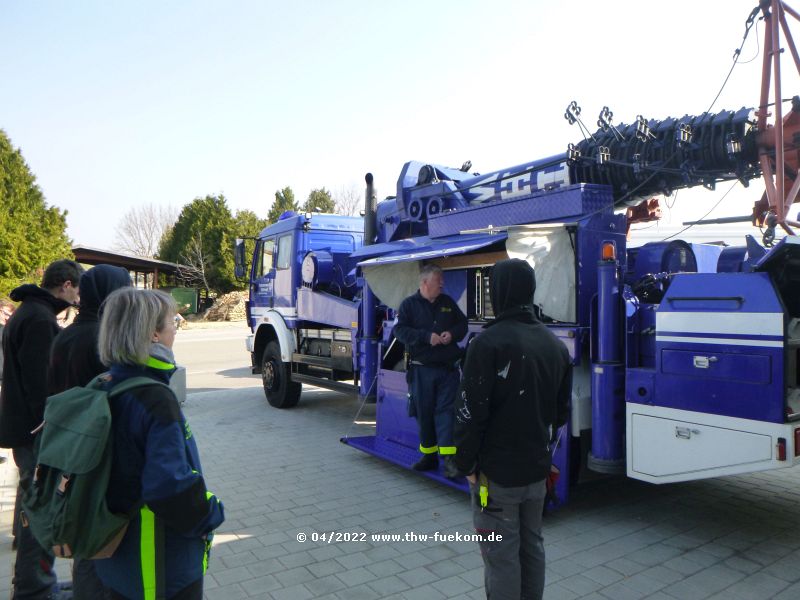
(303, 297)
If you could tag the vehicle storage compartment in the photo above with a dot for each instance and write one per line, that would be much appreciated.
(720, 346)
(672, 448)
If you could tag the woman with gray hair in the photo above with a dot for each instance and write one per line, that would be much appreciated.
(156, 475)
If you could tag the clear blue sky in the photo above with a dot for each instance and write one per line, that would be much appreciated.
(116, 104)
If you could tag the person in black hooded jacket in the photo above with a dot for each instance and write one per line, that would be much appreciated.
(75, 361)
(516, 386)
(26, 347)
(74, 358)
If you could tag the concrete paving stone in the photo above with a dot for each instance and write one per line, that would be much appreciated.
(385, 568)
(470, 559)
(446, 568)
(418, 576)
(603, 575)
(298, 559)
(209, 583)
(790, 593)
(354, 577)
(261, 585)
(325, 567)
(234, 575)
(625, 566)
(620, 591)
(718, 550)
(689, 563)
(756, 586)
(384, 551)
(786, 568)
(423, 593)
(353, 560)
(359, 592)
(271, 551)
(454, 586)
(440, 552)
(226, 592)
(388, 585)
(328, 585)
(266, 566)
(295, 592)
(740, 563)
(565, 567)
(242, 544)
(660, 573)
(557, 592)
(238, 560)
(655, 554)
(474, 577)
(325, 552)
(413, 560)
(709, 581)
(290, 577)
(580, 584)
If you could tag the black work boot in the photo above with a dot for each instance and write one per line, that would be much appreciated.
(428, 462)
(450, 469)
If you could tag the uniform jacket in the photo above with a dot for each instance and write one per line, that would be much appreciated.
(26, 347)
(156, 475)
(417, 319)
(516, 386)
(74, 357)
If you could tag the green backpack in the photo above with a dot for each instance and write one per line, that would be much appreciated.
(65, 506)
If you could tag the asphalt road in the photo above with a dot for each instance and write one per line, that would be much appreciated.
(215, 357)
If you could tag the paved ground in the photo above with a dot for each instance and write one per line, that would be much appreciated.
(284, 473)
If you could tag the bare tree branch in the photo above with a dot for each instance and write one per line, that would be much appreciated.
(140, 230)
(349, 200)
(194, 264)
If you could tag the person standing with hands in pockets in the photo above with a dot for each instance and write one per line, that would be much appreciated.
(430, 324)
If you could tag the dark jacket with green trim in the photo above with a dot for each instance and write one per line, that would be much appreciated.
(26, 350)
(515, 388)
(156, 465)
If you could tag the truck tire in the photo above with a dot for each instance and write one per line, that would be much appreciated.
(279, 388)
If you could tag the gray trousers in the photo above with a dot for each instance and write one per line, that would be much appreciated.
(34, 577)
(514, 566)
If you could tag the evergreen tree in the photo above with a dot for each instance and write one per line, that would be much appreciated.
(248, 225)
(319, 200)
(284, 200)
(202, 241)
(32, 234)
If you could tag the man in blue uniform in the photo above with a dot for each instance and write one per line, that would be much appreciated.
(430, 324)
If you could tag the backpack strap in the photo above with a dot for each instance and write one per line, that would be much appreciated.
(129, 384)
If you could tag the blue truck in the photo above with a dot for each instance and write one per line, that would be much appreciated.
(685, 356)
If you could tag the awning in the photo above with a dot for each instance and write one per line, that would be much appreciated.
(425, 248)
(394, 273)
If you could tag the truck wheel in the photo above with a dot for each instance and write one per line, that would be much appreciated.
(281, 391)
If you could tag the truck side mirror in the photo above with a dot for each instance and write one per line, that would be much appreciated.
(238, 258)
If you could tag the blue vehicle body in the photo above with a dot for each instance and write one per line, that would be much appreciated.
(685, 356)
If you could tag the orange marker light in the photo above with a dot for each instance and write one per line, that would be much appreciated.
(609, 251)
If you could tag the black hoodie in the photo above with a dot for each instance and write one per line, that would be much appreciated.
(516, 384)
(26, 345)
(74, 358)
